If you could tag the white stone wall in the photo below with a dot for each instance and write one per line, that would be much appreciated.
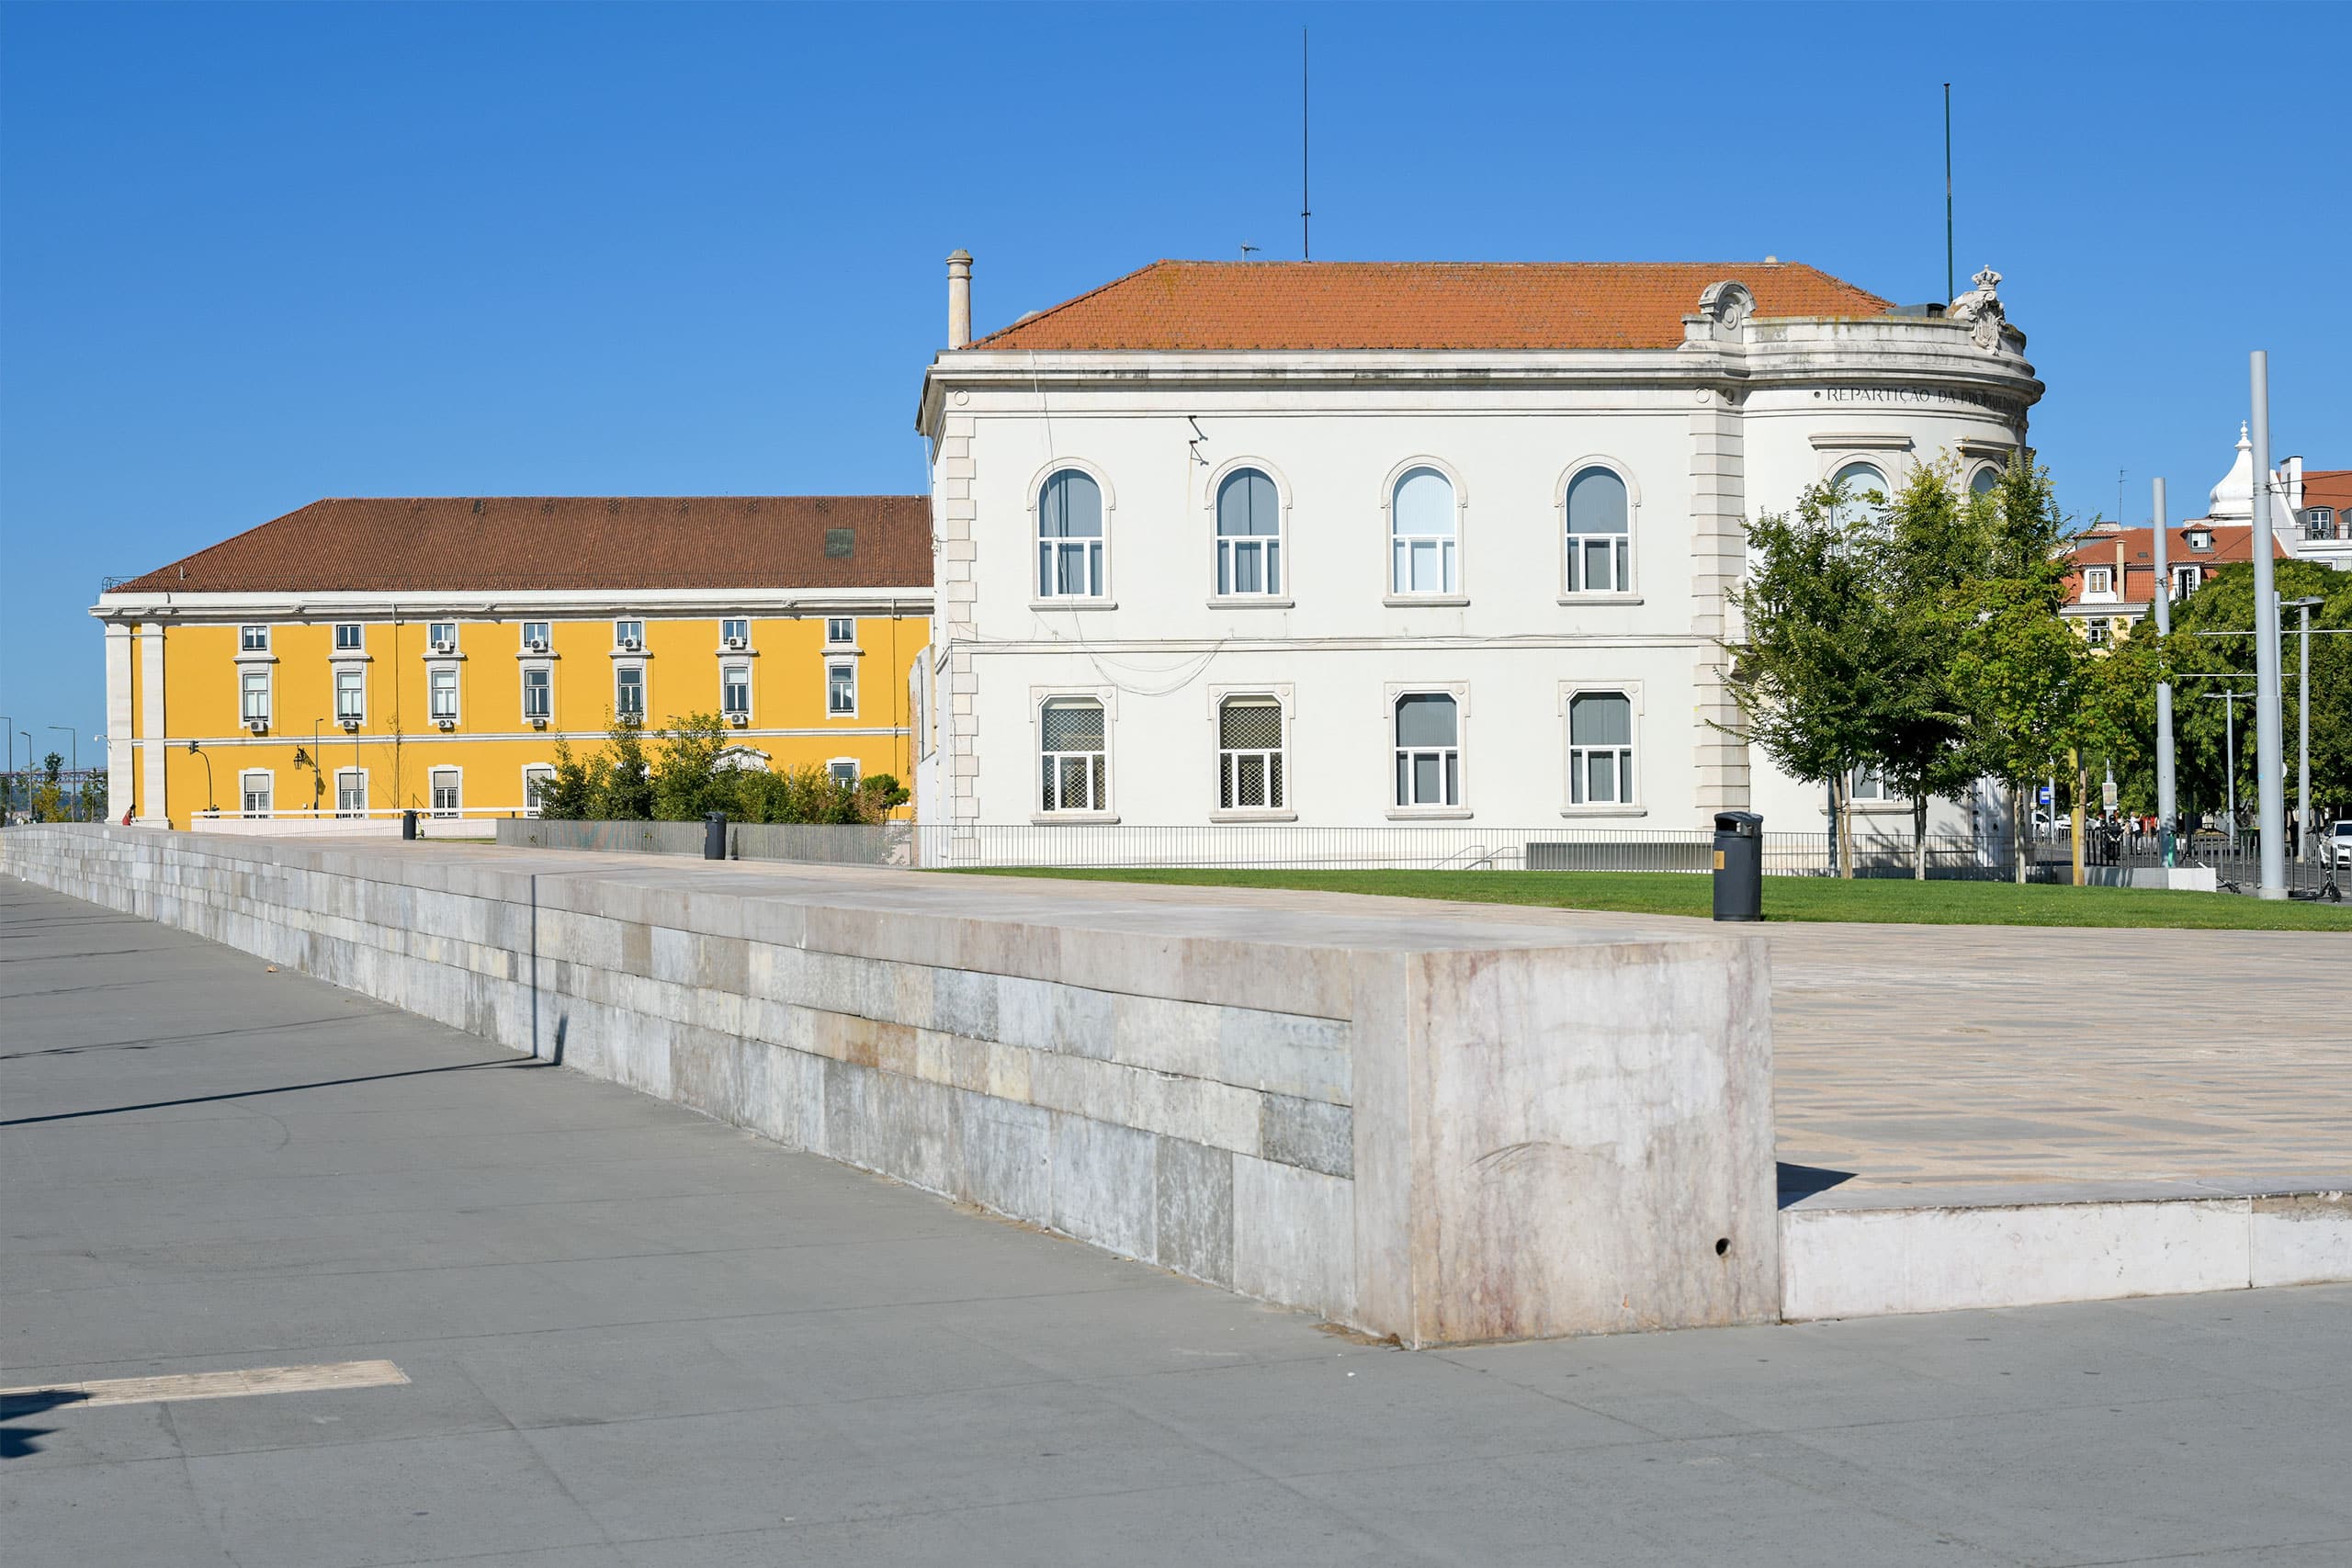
(1735, 425)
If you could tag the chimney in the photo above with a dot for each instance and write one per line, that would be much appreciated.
(959, 299)
(2295, 484)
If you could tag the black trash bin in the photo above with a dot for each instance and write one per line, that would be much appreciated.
(408, 824)
(1739, 865)
(714, 836)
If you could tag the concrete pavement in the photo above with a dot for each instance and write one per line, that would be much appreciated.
(632, 1336)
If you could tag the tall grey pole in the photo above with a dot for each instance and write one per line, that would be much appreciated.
(2303, 736)
(2269, 770)
(2167, 807)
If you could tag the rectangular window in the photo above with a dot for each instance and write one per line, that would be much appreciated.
(2318, 523)
(350, 695)
(841, 689)
(628, 635)
(840, 631)
(442, 636)
(1428, 751)
(536, 779)
(2099, 582)
(350, 792)
(1868, 784)
(253, 696)
(842, 771)
(538, 692)
(629, 692)
(1250, 754)
(735, 634)
(2184, 580)
(346, 637)
(1076, 768)
(255, 788)
(735, 691)
(253, 639)
(442, 689)
(2097, 632)
(1601, 749)
(535, 637)
(445, 792)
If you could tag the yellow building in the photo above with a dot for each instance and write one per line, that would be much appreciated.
(358, 658)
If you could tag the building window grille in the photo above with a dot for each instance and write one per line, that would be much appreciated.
(628, 693)
(1421, 529)
(1601, 749)
(1428, 751)
(350, 696)
(1076, 766)
(441, 693)
(1069, 537)
(1249, 535)
(346, 637)
(252, 697)
(1250, 754)
(1600, 544)
(351, 793)
(255, 788)
(538, 692)
(445, 791)
(253, 639)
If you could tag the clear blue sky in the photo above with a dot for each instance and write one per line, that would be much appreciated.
(254, 257)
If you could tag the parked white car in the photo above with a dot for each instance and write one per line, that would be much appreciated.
(2339, 846)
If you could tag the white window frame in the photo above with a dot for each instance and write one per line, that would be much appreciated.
(457, 784)
(548, 687)
(729, 672)
(433, 637)
(644, 698)
(836, 665)
(253, 638)
(434, 674)
(1630, 767)
(358, 778)
(1570, 593)
(1455, 552)
(733, 629)
(626, 632)
(832, 624)
(1104, 809)
(2099, 585)
(2098, 633)
(1274, 598)
(2187, 580)
(358, 643)
(1041, 596)
(545, 637)
(246, 792)
(1284, 809)
(1396, 752)
(247, 679)
(359, 679)
(834, 765)
(1838, 463)
(535, 771)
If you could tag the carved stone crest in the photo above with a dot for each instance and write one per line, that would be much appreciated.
(1981, 306)
(1726, 304)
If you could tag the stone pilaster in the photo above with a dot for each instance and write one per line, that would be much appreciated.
(1718, 556)
(955, 565)
(119, 715)
(153, 746)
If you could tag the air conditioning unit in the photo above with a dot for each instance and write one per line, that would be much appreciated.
(258, 725)
(739, 720)
(632, 644)
(445, 648)
(445, 724)
(350, 723)
(536, 645)
(738, 644)
(538, 724)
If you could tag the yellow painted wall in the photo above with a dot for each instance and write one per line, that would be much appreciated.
(398, 745)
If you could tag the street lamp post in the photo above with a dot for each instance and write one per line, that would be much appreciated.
(2229, 701)
(2167, 807)
(2269, 775)
(2304, 725)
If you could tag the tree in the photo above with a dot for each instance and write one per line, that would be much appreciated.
(1815, 671)
(1932, 557)
(698, 769)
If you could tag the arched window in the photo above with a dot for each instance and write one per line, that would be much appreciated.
(1867, 493)
(1600, 543)
(1075, 761)
(1421, 523)
(1601, 749)
(1250, 754)
(1249, 535)
(1983, 480)
(1429, 750)
(1069, 537)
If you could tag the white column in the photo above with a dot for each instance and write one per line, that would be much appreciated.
(120, 777)
(154, 809)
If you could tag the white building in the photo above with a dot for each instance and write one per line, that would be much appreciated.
(1360, 543)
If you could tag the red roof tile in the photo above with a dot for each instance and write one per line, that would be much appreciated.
(1178, 305)
(463, 544)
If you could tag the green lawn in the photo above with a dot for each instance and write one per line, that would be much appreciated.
(1785, 898)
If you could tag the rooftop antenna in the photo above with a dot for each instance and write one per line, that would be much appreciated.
(1305, 252)
(1247, 250)
(1951, 287)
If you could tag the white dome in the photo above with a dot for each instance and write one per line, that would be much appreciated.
(2232, 499)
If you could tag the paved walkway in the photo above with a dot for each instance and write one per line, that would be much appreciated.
(629, 1336)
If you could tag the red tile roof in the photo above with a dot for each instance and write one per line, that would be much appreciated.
(1341, 305)
(2231, 545)
(2328, 487)
(464, 543)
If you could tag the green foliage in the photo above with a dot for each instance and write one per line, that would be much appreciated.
(697, 770)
